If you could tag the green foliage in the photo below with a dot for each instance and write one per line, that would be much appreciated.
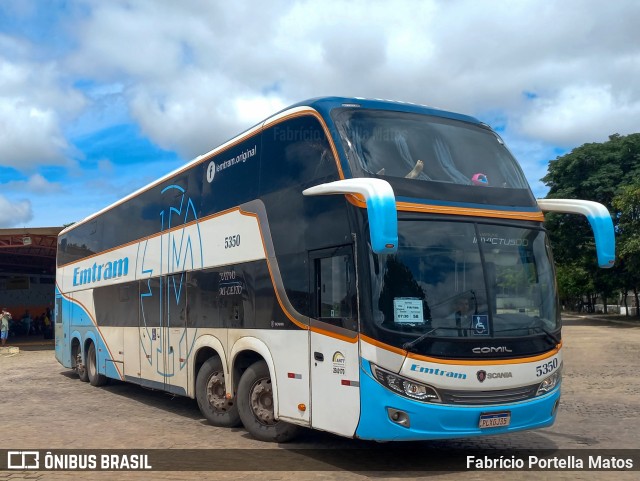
(573, 281)
(607, 173)
(627, 204)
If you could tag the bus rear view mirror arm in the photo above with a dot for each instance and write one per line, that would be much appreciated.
(381, 208)
(598, 217)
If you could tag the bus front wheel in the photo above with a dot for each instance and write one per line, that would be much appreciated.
(95, 378)
(212, 396)
(255, 404)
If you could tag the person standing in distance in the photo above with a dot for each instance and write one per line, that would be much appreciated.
(5, 317)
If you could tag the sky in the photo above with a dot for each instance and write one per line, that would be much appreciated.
(99, 98)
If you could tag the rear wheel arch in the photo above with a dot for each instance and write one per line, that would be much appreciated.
(245, 352)
(205, 347)
(75, 347)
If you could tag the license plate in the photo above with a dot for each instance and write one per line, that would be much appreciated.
(495, 420)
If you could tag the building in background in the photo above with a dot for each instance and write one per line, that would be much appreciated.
(27, 270)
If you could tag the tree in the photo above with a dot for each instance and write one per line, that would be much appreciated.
(598, 172)
(573, 281)
(627, 204)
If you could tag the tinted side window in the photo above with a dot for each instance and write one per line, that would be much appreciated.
(295, 152)
(117, 305)
(231, 177)
(83, 241)
(222, 297)
(169, 204)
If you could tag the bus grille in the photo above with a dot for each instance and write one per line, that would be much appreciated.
(502, 396)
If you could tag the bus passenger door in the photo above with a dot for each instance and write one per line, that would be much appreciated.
(335, 382)
(175, 345)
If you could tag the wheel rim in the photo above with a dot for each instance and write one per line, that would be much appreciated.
(80, 369)
(216, 393)
(262, 401)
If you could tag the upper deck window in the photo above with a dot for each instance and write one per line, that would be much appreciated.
(393, 144)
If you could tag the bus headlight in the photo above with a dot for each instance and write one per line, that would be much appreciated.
(550, 382)
(405, 387)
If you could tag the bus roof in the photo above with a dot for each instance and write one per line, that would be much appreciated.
(325, 104)
(322, 105)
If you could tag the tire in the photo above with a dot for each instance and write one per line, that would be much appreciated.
(211, 395)
(81, 368)
(95, 378)
(255, 405)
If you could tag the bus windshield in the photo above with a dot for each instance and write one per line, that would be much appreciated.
(428, 148)
(462, 279)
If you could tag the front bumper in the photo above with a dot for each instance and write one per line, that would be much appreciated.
(437, 421)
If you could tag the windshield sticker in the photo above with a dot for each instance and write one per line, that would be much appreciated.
(480, 325)
(408, 310)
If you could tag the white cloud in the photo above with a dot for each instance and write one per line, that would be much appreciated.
(188, 66)
(29, 136)
(193, 74)
(32, 106)
(250, 110)
(190, 114)
(16, 213)
(36, 184)
(579, 114)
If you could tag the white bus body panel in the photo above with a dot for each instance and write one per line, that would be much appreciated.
(286, 356)
(335, 385)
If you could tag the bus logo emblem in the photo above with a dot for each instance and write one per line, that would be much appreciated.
(481, 375)
(211, 171)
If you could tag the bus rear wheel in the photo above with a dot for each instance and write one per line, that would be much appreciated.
(81, 369)
(95, 378)
(255, 405)
(211, 395)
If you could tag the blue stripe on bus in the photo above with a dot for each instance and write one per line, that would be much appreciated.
(435, 421)
(82, 326)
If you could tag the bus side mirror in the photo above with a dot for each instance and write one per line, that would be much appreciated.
(598, 217)
(381, 208)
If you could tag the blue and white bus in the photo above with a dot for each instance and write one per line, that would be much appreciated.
(374, 269)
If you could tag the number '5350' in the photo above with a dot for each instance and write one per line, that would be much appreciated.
(232, 241)
(546, 368)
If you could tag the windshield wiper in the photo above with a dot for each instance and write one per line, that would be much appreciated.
(548, 334)
(409, 345)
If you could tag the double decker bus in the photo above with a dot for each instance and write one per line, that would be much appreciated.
(374, 269)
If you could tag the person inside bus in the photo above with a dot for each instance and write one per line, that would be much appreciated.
(462, 315)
